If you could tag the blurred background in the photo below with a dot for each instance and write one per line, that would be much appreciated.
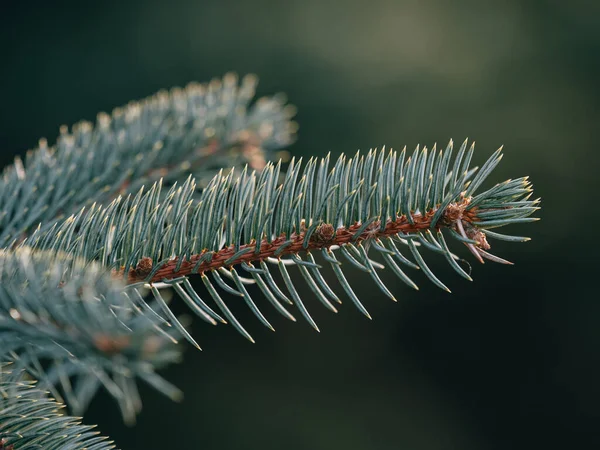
(508, 361)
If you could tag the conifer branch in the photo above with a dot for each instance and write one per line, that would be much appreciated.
(82, 296)
(30, 420)
(197, 130)
(365, 205)
(63, 319)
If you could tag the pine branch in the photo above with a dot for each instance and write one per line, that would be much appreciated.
(31, 420)
(365, 205)
(64, 320)
(197, 130)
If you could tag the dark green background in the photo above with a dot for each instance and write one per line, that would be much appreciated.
(508, 361)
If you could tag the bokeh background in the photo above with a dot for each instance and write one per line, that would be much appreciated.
(508, 361)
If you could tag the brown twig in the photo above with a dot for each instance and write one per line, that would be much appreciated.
(322, 237)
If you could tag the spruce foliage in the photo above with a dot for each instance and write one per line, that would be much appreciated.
(99, 230)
